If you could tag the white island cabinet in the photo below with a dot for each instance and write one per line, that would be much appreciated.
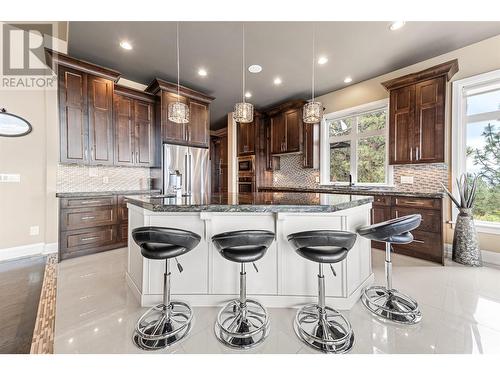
(284, 279)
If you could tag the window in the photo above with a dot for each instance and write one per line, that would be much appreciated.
(355, 145)
(476, 143)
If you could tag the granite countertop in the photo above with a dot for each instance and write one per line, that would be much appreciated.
(252, 202)
(356, 190)
(109, 192)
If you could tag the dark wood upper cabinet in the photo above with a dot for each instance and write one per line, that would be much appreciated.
(197, 131)
(293, 126)
(247, 136)
(100, 106)
(278, 134)
(219, 161)
(286, 127)
(416, 115)
(85, 93)
(136, 136)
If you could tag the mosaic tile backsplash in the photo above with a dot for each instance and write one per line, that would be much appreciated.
(426, 177)
(82, 178)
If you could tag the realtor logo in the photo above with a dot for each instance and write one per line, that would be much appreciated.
(23, 56)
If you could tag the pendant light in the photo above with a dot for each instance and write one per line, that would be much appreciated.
(312, 111)
(243, 112)
(178, 112)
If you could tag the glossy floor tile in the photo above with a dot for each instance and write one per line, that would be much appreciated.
(96, 313)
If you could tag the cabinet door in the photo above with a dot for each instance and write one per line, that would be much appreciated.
(378, 215)
(401, 115)
(73, 119)
(246, 138)
(293, 126)
(100, 103)
(144, 134)
(171, 131)
(198, 127)
(429, 121)
(308, 153)
(278, 134)
(124, 130)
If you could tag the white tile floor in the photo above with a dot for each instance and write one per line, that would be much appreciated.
(96, 313)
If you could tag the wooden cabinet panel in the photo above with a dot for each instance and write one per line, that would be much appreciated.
(171, 131)
(246, 138)
(425, 245)
(73, 116)
(87, 217)
(308, 147)
(144, 134)
(100, 106)
(293, 126)
(417, 202)
(87, 202)
(278, 134)
(429, 121)
(124, 130)
(401, 125)
(431, 219)
(86, 241)
(198, 127)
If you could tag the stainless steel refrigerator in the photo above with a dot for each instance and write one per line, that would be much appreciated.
(189, 167)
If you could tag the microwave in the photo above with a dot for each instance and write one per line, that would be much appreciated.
(246, 164)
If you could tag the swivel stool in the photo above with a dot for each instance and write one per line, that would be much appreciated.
(170, 321)
(320, 326)
(385, 301)
(242, 323)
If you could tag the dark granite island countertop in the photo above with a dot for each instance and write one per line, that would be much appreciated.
(270, 202)
(84, 194)
(357, 190)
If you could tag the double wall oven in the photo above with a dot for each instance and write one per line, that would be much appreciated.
(246, 174)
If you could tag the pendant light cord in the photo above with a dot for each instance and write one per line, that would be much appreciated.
(243, 66)
(313, 66)
(178, 65)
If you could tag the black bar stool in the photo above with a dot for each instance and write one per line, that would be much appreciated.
(385, 301)
(243, 323)
(318, 325)
(170, 321)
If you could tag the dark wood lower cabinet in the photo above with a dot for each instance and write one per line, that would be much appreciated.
(428, 241)
(89, 225)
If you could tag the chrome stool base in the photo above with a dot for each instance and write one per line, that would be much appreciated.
(161, 326)
(242, 326)
(326, 330)
(391, 305)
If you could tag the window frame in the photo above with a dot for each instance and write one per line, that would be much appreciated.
(458, 137)
(354, 137)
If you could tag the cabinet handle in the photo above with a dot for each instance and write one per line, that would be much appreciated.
(88, 217)
(411, 153)
(417, 154)
(89, 202)
(90, 238)
(418, 241)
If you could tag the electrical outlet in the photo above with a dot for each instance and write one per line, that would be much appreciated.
(407, 179)
(5, 177)
(105, 180)
(275, 179)
(317, 179)
(34, 230)
(93, 172)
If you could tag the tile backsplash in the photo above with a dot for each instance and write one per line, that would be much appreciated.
(82, 178)
(426, 177)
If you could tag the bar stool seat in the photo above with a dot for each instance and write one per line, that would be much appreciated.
(320, 326)
(242, 323)
(170, 321)
(385, 301)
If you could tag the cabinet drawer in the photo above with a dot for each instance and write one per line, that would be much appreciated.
(425, 245)
(88, 202)
(87, 217)
(382, 200)
(418, 202)
(87, 238)
(431, 219)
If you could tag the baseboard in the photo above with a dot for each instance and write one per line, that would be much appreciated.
(489, 257)
(28, 250)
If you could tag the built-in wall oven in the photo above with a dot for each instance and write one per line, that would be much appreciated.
(246, 174)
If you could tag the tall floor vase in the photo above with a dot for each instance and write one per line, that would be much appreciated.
(465, 244)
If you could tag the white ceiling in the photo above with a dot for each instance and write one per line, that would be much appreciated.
(361, 50)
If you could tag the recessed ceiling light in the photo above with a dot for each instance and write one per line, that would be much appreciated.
(347, 79)
(125, 45)
(322, 60)
(202, 72)
(248, 94)
(277, 81)
(255, 68)
(397, 25)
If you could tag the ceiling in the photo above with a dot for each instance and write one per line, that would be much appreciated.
(361, 50)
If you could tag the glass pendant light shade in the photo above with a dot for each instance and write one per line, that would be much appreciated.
(243, 112)
(178, 112)
(312, 112)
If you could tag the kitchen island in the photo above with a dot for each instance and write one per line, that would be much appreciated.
(284, 279)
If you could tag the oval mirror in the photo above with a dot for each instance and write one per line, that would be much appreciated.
(12, 125)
